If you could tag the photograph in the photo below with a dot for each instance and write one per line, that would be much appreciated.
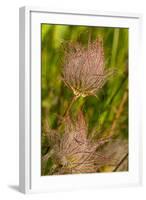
(84, 99)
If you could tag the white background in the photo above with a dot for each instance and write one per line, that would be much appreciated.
(9, 101)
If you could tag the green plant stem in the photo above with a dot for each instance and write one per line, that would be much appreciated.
(112, 98)
(70, 105)
(115, 46)
(118, 113)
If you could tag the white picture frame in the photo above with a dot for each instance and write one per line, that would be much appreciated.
(29, 160)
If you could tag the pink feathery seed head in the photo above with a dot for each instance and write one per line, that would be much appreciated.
(76, 153)
(84, 68)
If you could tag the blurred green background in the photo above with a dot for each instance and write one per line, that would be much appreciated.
(110, 109)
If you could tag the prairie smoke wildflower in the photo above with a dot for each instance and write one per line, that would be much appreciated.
(74, 152)
(84, 68)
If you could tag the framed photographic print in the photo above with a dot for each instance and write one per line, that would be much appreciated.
(79, 100)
